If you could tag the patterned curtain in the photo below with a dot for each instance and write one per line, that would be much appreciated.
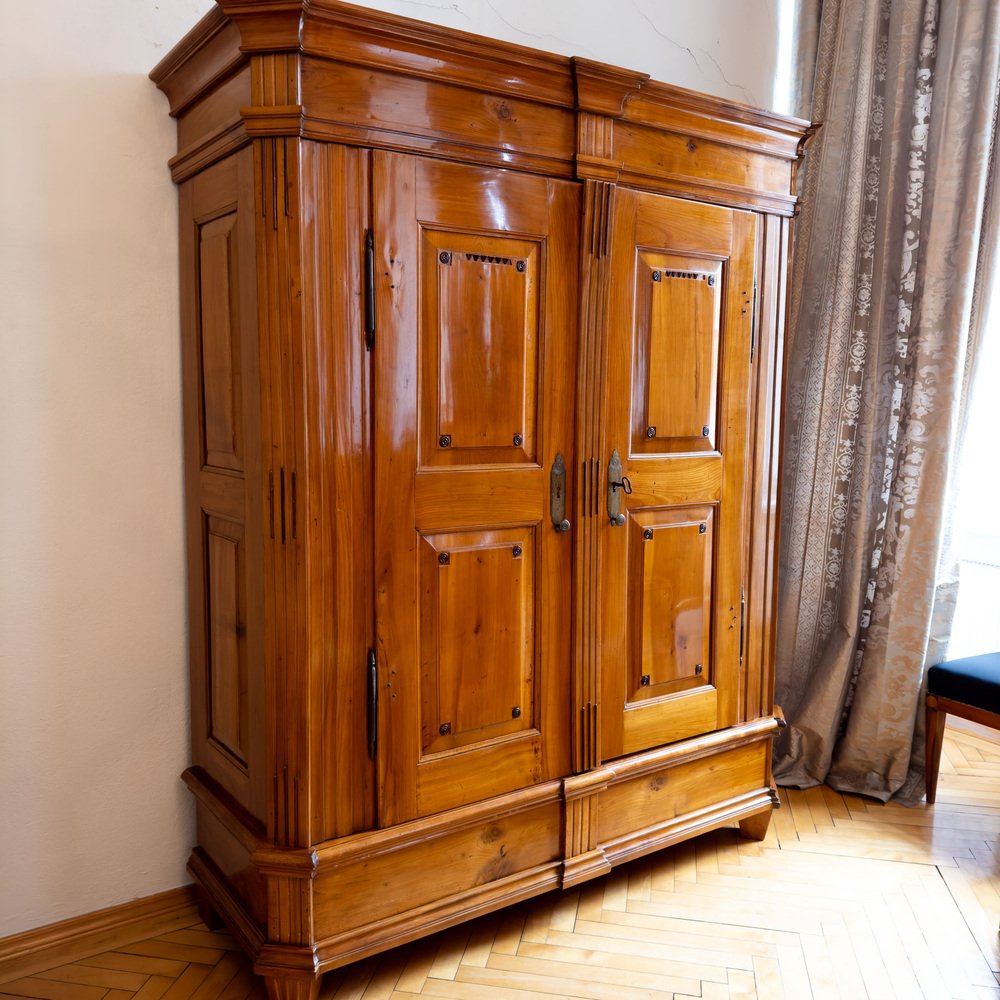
(893, 254)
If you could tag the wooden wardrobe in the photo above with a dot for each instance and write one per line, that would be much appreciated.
(482, 357)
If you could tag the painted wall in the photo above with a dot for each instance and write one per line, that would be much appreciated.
(93, 686)
(722, 47)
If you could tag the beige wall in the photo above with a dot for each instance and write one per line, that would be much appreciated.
(723, 47)
(93, 687)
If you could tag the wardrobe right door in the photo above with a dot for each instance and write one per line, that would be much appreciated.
(676, 403)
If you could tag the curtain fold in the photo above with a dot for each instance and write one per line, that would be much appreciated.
(890, 266)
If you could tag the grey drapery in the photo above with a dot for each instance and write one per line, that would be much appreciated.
(892, 245)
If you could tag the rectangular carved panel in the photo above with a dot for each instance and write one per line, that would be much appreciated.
(482, 340)
(722, 171)
(477, 636)
(479, 350)
(676, 368)
(650, 800)
(218, 299)
(670, 600)
(227, 663)
(519, 843)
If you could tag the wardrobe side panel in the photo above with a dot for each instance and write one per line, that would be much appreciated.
(765, 473)
(221, 431)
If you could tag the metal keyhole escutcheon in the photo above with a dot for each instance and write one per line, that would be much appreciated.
(617, 485)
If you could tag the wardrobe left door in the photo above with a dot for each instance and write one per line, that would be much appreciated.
(474, 374)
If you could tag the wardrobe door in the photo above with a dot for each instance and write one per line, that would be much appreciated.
(677, 387)
(474, 367)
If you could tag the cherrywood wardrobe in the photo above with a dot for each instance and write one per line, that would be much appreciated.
(482, 355)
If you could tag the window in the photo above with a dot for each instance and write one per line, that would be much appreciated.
(976, 627)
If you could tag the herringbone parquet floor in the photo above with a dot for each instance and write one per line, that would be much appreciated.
(845, 898)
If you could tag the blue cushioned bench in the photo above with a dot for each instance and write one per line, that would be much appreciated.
(968, 688)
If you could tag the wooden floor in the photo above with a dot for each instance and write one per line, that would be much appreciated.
(845, 898)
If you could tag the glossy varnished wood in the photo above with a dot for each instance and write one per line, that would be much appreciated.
(340, 414)
(370, 78)
(427, 114)
(664, 241)
(598, 208)
(371, 500)
(670, 611)
(469, 388)
(677, 330)
(222, 462)
(763, 485)
(842, 897)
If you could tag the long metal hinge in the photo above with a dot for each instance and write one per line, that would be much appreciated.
(369, 290)
(285, 518)
(372, 705)
(743, 616)
(753, 324)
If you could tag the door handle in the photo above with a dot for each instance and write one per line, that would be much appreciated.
(557, 495)
(616, 482)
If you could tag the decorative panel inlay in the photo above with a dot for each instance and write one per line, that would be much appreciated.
(676, 368)
(218, 298)
(670, 577)
(227, 664)
(477, 636)
(479, 349)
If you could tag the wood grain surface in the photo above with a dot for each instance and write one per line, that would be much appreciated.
(844, 898)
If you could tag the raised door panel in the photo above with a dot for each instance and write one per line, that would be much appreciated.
(228, 716)
(676, 361)
(480, 357)
(669, 573)
(218, 293)
(477, 633)
(474, 386)
(677, 404)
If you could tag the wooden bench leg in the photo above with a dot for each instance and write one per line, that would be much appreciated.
(935, 735)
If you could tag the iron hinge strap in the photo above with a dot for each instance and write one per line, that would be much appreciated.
(372, 705)
(369, 290)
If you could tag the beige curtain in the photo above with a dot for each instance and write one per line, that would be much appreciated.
(893, 250)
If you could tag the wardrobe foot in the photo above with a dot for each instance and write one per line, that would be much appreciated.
(755, 827)
(290, 987)
(206, 911)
